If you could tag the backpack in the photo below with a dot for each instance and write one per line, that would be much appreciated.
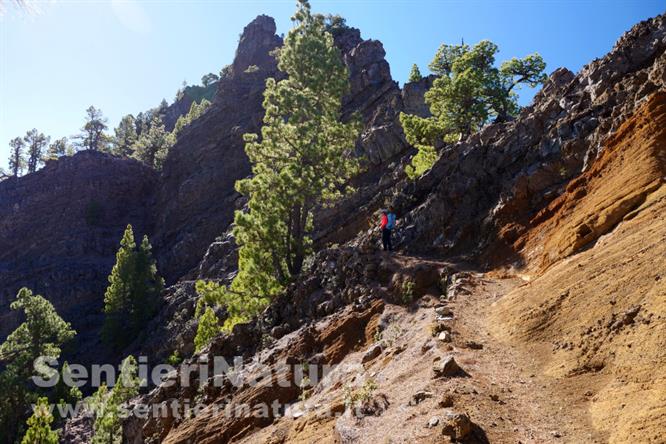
(391, 221)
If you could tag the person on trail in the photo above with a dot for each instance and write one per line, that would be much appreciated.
(387, 225)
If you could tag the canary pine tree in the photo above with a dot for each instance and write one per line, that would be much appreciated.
(415, 74)
(39, 425)
(36, 143)
(303, 159)
(107, 403)
(131, 297)
(17, 161)
(41, 334)
(468, 92)
(125, 136)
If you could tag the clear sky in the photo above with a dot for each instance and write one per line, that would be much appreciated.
(124, 56)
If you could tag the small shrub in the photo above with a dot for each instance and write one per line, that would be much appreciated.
(390, 335)
(363, 394)
(378, 335)
(252, 68)
(306, 390)
(174, 358)
(407, 291)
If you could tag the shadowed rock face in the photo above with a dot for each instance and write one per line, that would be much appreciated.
(60, 228)
(196, 201)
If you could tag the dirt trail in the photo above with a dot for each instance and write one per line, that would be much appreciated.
(505, 393)
(532, 407)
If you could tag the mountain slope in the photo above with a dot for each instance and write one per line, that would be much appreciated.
(536, 244)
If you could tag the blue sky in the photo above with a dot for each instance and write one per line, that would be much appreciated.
(125, 56)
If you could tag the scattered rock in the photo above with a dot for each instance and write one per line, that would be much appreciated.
(447, 368)
(627, 318)
(419, 397)
(457, 426)
(444, 336)
(277, 332)
(473, 345)
(443, 311)
(372, 353)
(433, 422)
(427, 345)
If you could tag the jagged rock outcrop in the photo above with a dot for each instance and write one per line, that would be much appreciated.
(374, 95)
(60, 228)
(483, 191)
(413, 96)
(197, 199)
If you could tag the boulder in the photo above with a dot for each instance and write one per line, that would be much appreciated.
(457, 426)
(447, 368)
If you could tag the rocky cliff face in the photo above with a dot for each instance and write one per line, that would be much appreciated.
(504, 196)
(60, 228)
(197, 199)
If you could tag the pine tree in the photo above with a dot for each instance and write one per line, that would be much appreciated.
(467, 93)
(41, 334)
(131, 297)
(36, 143)
(415, 74)
(207, 329)
(302, 160)
(93, 136)
(107, 426)
(196, 110)
(62, 393)
(153, 145)
(39, 425)
(125, 136)
(148, 285)
(59, 148)
(118, 295)
(209, 79)
(17, 156)
(162, 109)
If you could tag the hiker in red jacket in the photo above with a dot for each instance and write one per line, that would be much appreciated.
(387, 224)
